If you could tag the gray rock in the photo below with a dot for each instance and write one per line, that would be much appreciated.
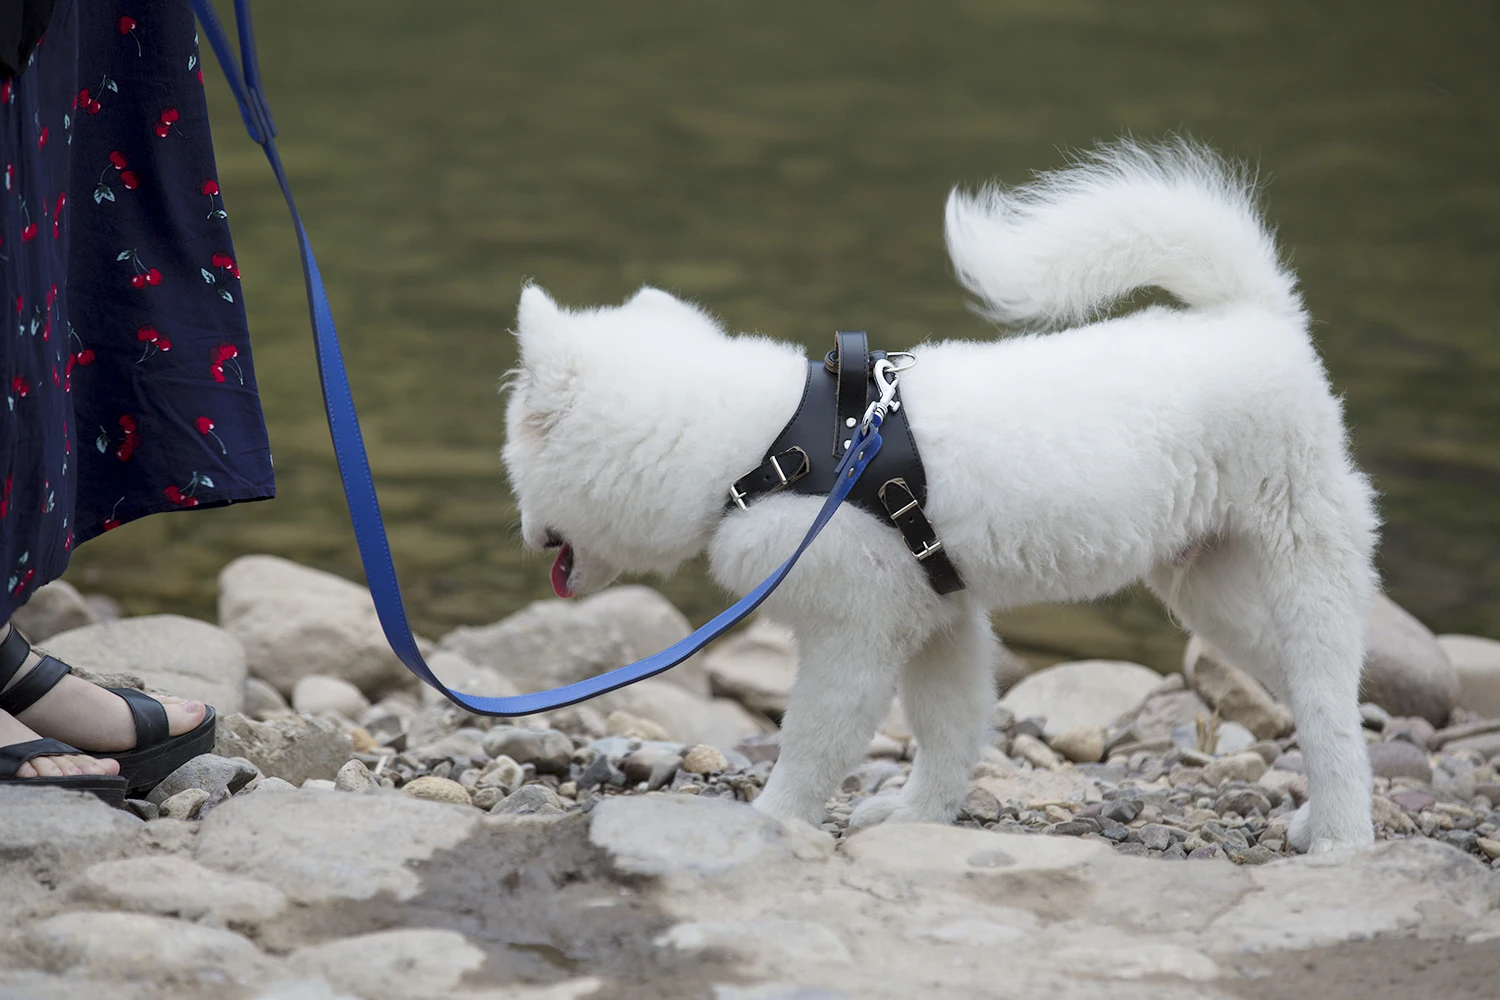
(455, 670)
(1156, 837)
(546, 644)
(394, 964)
(1406, 671)
(261, 699)
(209, 772)
(1233, 738)
(315, 694)
(175, 886)
(1476, 660)
(293, 748)
(1245, 766)
(649, 623)
(755, 667)
(529, 800)
(1399, 759)
(1411, 729)
(547, 749)
(138, 947)
(1083, 693)
(293, 620)
(142, 808)
(319, 847)
(355, 777)
(56, 607)
(1161, 714)
(1082, 745)
(1238, 696)
(598, 772)
(1373, 716)
(1122, 810)
(169, 653)
(688, 835)
(1208, 853)
(640, 764)
(185, 804)
(981, 805)
(1242, 801)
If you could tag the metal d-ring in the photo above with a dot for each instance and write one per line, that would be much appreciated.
(910, 363)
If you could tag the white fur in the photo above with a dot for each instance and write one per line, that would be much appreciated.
(1199, 449)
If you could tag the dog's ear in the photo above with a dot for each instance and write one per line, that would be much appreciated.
(683, 316)
(537, 319)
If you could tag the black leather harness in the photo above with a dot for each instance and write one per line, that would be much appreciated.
(803, 456)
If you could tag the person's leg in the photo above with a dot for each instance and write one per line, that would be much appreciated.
(84, 715)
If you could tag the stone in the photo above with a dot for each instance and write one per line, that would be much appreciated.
(1121, 810)
(184, 805)
(1476, 660)
(1156, 837)
(548, 750)
(689, 835)
(317, 847)
(1233, 738)
(624, 724)
(703, 759)
(437, 789)
(755, 667)
(1406, 671)
(766, 945)
(1491, 848)
(314, 694)
(502, 773)
(175, 886)
(718, 722)
(582, 720)
(982, 805)
(354, 776)
(208, 771)
(651, 759)
(1028, 789)
(1242, 801)
(295, 748)
(1399, 759)
(1245, 766)
(1413, 800)
(649, 623)
(1237, 696)
(546, 644)
(1161, 714)
(1483, 744)
(54, 608)
(262, 700)
(1083, 744)
(1035, 752)
(393, 964)
(459, 673)
(293, 620)
(1081, 693)
(1372, 716)
(1411, 729)
(529, 800)
(169, 653)
(136, 946)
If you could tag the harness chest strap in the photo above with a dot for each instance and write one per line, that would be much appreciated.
(896, 483)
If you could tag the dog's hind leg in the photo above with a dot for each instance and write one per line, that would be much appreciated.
(1295, 613)
(845, 681)
(947, 692)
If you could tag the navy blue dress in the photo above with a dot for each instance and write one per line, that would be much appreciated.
(124, 357)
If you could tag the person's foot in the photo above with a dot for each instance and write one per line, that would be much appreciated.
(84, 715)
(51, 766)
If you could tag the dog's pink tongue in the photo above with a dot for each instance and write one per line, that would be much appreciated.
(561, 567)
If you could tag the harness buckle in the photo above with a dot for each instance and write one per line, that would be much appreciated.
(929, 549)
(885, 378)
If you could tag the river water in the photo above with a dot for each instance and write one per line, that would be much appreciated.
(785, 163)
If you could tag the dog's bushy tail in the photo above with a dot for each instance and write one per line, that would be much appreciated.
(1124, 216)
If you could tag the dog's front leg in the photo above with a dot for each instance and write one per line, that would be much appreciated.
(844, 687)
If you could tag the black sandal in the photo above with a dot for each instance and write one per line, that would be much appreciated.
(109, 787)
(157, 753)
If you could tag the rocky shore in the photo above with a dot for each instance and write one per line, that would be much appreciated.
(356, 836)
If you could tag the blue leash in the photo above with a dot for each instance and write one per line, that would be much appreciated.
(354, 464)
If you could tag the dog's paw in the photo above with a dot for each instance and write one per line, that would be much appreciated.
(874, 811)
(1299, 830)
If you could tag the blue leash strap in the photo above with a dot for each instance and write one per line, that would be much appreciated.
(354, 463)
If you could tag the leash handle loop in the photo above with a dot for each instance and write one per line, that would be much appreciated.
(354, 463)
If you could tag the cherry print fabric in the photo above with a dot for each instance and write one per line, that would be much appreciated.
(126, 383)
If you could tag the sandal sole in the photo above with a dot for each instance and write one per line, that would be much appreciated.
(108, 787)
(144, 769)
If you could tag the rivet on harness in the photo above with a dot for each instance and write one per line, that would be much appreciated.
(802, 460)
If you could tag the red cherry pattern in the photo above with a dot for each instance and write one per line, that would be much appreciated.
(132, 438)
(130, 179)
(125, 25)
(28, 232)
(210, 187)
(117, 160)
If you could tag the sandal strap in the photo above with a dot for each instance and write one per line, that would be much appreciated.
(43, 678)
(13, 756)
(150, 716)
(13, 653)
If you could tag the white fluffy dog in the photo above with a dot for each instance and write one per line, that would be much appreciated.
(1198, 448)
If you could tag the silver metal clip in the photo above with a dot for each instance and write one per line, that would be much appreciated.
(885, 378)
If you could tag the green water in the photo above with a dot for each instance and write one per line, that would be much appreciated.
(786, 163)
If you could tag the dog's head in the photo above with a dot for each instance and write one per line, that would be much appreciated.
(604, 456)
